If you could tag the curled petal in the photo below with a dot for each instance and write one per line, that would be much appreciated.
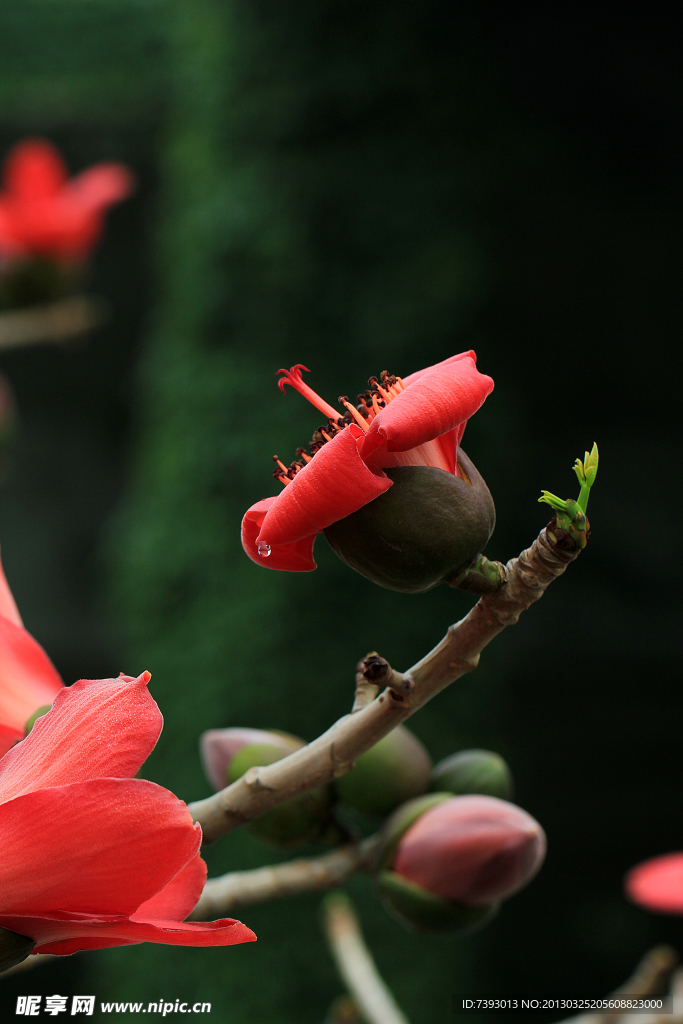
(63, 933)
(444, 362)
(96, 728)
(437, 401)
(28, 680)
(295, 557)
(99, 847)
(658, 884)
(332, 486)
(177, 899)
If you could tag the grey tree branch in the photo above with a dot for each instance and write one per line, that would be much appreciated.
(356, 966)
(333, 754)
(241, 888)
(651, 977)
(56, 321)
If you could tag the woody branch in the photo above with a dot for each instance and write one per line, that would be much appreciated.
(334, 752)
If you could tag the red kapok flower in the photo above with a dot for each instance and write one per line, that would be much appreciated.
(403, 438)
(28, 679)
(657, 884)
(92, 857)
(45, 213)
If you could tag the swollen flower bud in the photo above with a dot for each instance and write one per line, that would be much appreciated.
(228, 753)
(426, 529)
(447, 865)
(473, 771)
(393, 771)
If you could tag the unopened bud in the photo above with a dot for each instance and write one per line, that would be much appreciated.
(473, 771)
(231, 752)
(218, 747)
(426, 529)
(446, 867)
(396, 769)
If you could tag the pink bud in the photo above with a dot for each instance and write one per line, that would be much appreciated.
(219, 746)
(474, 850)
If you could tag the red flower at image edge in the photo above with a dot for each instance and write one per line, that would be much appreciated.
(421, 423)
(45, 213)
(657, 884)
(28, 679)
(92, 857)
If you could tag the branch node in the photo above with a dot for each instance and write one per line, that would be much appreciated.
(377, 671)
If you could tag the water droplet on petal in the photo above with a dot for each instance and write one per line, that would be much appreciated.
(263, 550)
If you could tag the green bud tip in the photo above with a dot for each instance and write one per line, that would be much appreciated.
(571, 515)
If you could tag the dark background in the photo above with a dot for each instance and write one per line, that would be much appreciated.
(359, 187)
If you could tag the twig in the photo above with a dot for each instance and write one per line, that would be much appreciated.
(650, 977)
(355, 964)
(56, 321)
(334, 753)
(242, 888)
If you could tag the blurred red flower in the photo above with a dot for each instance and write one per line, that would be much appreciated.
(28, 679)
(44, 213)
(657, 884)
(418, 421)
(93, 857)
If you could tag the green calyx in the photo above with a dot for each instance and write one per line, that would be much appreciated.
(14, 948)
(428, 528)
(303, 819)
(399, 822)
(395, 770)
(473, 771)
(423, 912)
(570, 516)
(38, 713)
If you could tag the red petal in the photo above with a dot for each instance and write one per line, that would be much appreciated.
(658, 884)
(34, 170)
(296, 557)
(96, 728)
(101, 186)
(8, 737)
(444, 362)
(28, 679)
(8, 606)
(178, 898)
(99, 847)
(66, 933)
(333, 485)
(436, 401)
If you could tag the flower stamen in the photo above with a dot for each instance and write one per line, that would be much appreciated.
(293, 377)
(381, 391)
(343, 400)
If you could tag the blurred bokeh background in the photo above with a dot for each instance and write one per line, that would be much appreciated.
(358, 187)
